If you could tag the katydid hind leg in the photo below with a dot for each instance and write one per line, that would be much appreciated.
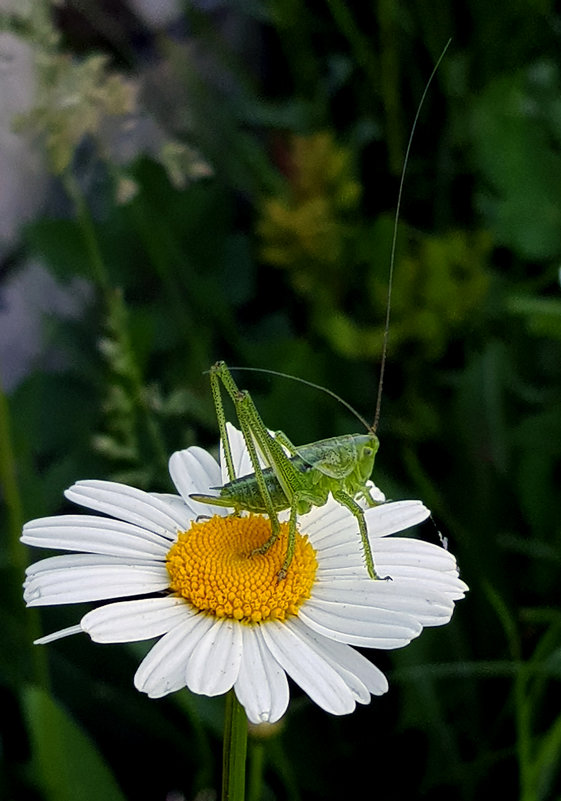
(241, 404)
(291, 544)
(220, 375)
(259, 441)
(255, 430)
(215, 377)
(281, 437)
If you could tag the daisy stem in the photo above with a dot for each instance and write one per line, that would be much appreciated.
(256, 768)
(235, 750)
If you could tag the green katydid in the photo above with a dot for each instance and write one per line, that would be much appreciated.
(299, 478)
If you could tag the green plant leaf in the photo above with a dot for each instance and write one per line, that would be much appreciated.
(516, 130)
(67, 763)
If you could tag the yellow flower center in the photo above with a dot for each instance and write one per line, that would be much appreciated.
(214, 566)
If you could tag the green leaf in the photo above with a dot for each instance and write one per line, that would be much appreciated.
(542, 315)
(67, 763)
(516, 129)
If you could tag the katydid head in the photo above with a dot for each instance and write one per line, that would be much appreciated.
(367, 450)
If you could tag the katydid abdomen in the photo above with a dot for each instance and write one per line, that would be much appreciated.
(244, 494)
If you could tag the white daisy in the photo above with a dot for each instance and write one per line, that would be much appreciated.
(222, 617)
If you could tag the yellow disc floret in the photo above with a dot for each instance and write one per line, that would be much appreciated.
(216, 566)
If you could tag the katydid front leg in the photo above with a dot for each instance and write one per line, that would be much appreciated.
(353, 507)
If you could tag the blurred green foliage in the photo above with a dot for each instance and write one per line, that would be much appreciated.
(260, 233)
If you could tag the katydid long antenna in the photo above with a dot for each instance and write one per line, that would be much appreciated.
(374, 425)
(372, 428)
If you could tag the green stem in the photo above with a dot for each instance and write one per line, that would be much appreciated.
(256, 770)
(118, 313)
(85, 222)
(8, 480)
(361, 47)
(524, 734)
(16, 560)
(294, 25)
(389, 83)
(521, 694)
(235, 750)
(115, 303)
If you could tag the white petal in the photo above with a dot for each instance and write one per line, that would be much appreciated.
(450, 587)
(423, 603)
(215, 664)
(440, 572)
(322, 647)
(362, 677)
(389, 518)
(308, 669)
(407, 551)
(131, 621)
(58, 635)
(328, 524)
(336, 561)
(404, 558)
(370, 675)
(91, 534)
(262, 686)
(332, 524)
(390, 555)
(359, 625)
(162, 670)
(358, 571)
(176, 505)
(240, 455)
(130, 504)
(193, 470)
(375, 492)
(88, 577)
